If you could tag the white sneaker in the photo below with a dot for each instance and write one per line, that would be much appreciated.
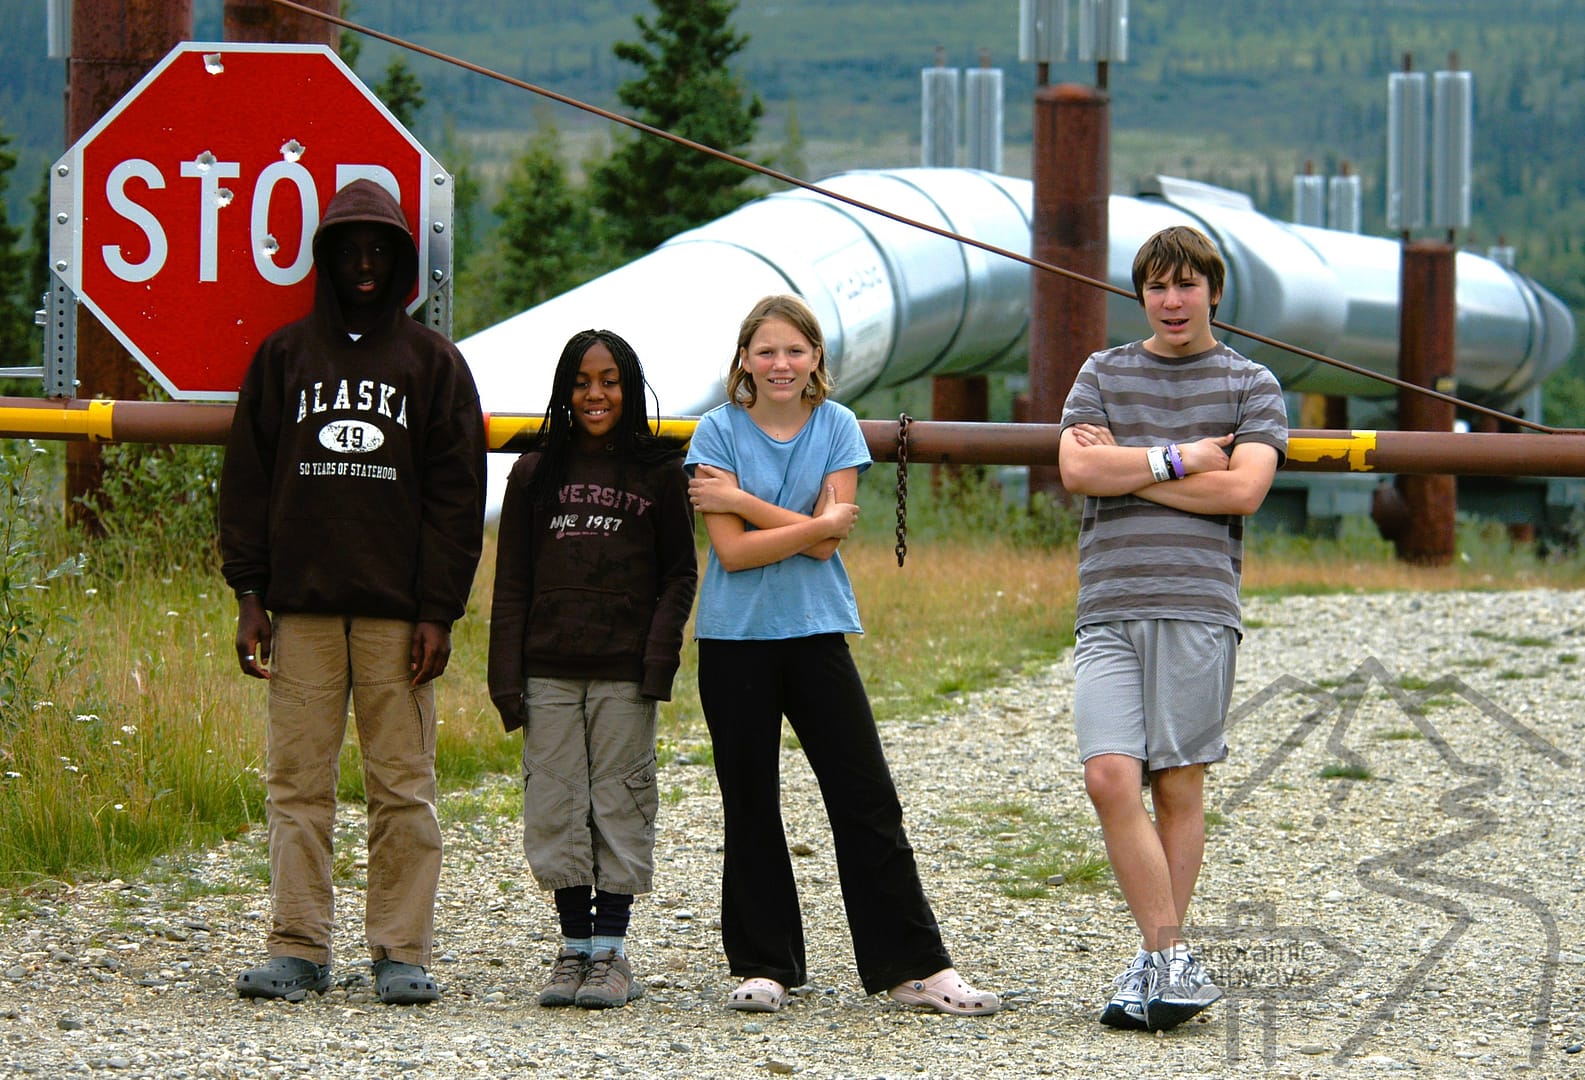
(1126, 1009)
(1178, 989)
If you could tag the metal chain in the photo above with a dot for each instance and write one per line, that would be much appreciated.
(903, 420)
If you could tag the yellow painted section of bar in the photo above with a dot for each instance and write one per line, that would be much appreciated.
(1352, 448)
(101, 421)
(95, 423)
(503, 429)
(500, 430)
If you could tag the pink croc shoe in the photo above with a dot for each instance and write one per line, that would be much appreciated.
(945, 991)
(757, 995)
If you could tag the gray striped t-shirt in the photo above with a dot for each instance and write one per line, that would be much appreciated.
(1141, 560)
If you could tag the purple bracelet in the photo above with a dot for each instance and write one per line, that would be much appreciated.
(1175, 459)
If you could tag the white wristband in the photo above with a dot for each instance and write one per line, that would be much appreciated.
(1159, 468)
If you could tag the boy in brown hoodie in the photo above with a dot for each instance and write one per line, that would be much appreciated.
(352, 509)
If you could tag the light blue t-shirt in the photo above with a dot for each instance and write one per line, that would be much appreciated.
(798, 596)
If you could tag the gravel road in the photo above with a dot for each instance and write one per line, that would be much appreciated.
(1390, 887)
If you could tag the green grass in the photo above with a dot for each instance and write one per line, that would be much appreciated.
(500, 798)
(1032, 852)
(144, 739)
(180, 885)
(1523, 641)
(1346, 772)
(127, 733)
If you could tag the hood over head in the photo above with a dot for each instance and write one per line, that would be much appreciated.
(365, 202)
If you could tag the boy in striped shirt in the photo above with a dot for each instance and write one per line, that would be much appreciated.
(1172, 441)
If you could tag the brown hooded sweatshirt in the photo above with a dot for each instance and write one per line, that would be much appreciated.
(354, 473)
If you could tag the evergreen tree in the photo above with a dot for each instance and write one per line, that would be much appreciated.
(350, 46)
(790, 159)
(38, 257)
(542, 246)
(465, 195)
(650, 189)
(18, 336)
(544, 225)
(401, 91)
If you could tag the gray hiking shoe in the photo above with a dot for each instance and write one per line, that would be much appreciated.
(609, 983)
(1126, 1009)
(1178, 989)
(561, 989)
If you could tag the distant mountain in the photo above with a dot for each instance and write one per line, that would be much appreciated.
(1241, 93)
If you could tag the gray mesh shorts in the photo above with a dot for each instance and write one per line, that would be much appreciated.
(1154, 689)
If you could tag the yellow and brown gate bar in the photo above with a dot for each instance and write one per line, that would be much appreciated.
(929, 441)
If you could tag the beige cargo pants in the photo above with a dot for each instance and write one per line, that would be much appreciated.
(318, 662)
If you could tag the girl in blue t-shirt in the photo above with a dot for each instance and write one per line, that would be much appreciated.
(775, 474)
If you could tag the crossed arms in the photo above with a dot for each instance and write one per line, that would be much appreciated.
(1219, 481)
(778, 533)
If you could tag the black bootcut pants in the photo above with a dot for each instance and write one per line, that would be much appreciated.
(745, 688)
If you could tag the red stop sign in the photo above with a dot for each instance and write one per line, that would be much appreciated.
(183, 219)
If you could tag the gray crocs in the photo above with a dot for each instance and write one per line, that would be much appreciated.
(403, 984)
(287, 978)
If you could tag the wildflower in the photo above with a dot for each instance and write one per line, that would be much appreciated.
(129, 729)
(90, 591)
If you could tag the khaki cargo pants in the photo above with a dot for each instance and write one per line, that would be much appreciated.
(318, 662)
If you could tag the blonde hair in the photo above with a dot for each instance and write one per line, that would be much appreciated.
(740, 388)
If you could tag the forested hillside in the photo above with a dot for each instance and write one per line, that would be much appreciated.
(1242, 92)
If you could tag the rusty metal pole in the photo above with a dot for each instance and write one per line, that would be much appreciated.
(957, 398)
(114, 44)
(1560, 453)
(1072, 186)
(1427, 310)
(264, 21)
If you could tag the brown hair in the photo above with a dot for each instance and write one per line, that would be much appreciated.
(1176, 248)
(740, 388)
